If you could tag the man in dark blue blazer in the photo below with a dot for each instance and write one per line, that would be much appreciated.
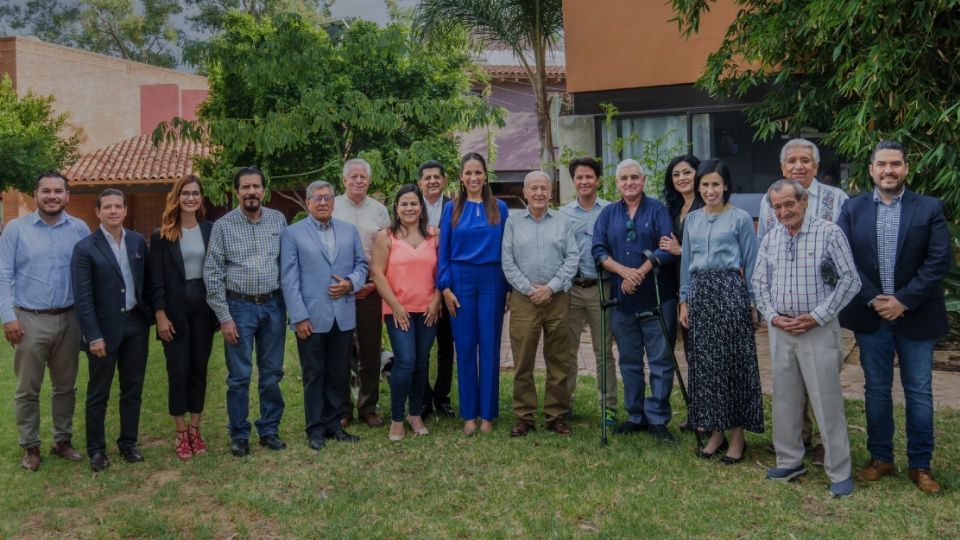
(901, 247)
(112, 301)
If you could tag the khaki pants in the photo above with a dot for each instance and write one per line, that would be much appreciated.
(50, 341)
(526, 322)
(585, 309)
(808, 367)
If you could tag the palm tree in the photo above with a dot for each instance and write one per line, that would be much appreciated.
(529, 28)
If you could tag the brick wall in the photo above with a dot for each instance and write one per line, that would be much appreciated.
(8, 60)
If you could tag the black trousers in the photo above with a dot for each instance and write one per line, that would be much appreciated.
(129, 360)
(325, 368)
(368, 331)
(189, 352)
(439, 393)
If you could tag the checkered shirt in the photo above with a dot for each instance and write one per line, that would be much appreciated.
(888, 229)
(787, 280)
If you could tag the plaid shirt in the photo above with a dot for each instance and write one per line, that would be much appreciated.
(243, 256)
(788, 279)
(888, 229)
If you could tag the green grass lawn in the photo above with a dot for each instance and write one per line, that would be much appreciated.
(446, 485)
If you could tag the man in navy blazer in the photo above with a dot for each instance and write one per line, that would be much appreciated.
(322, 265)
(901, 247)
(112, 300)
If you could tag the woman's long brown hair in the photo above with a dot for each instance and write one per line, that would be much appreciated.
(170, 222)
(489, 201)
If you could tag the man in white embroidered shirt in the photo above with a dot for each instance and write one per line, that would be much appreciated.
(804, 276)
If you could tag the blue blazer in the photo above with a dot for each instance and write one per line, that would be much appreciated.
(922, 261)
(99, 291)
(306, 272)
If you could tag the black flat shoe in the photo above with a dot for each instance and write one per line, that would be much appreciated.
(131, 455)
(727, 460)
(99, 461)
(342, 436)
(446, 410)
(240, 448)
(273, 442)
(710, 455)
(317, 443)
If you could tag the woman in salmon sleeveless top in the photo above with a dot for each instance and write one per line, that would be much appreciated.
(404, 269)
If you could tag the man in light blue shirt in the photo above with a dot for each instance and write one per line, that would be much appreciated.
(36, 306)
(540, 256)
(584, 296)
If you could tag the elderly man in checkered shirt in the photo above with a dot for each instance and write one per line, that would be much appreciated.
(805, 275)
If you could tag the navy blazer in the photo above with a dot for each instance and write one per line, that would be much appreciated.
(922, 261)
(99, 291)
(168, 277)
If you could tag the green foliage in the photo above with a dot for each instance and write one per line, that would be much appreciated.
(141, 31)
(654, 155)
(30, 141)
(284, 96)
(858, 70)
(210, 15)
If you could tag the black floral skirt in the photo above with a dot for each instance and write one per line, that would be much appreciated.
(724, 377)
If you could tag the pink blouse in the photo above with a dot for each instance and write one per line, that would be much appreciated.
(412, 274)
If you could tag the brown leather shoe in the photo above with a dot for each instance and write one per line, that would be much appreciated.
(31, 458)
(875, 470)
(559, 427)
(372, 420)
(924, 480)
(522, 428)
(66, 450)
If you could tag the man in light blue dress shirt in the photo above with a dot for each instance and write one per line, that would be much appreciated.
(36, 306)
(584, 296)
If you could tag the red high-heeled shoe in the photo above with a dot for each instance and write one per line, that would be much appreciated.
(196, 442)
(183, 445)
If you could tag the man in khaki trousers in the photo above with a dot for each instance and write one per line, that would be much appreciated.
(36, 306)
(540, 257)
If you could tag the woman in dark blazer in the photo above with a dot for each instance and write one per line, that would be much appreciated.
(185, 323)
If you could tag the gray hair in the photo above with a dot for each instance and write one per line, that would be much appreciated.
(629, 163)
(356, 161)
(317, 185)
(798, 191)
(532, 175)
(802, 143)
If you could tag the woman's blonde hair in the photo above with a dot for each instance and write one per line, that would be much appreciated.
(170, 222)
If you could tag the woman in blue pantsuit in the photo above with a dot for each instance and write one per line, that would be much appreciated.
(474, 290)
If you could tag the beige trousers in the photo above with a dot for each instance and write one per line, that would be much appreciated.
(526, 323)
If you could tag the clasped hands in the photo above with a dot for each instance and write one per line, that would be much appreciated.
(631, 279)
(888, 307)
(795, 325)
(541, 295)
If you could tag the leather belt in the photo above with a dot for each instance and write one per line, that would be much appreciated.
(253, 298)
(584, 282)
(54, 311)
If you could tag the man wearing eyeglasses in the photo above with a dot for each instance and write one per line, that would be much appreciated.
(322, 265)
(623, 231)
(804, 276)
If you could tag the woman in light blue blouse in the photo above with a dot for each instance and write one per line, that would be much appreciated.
(474, 290)
(719, 253)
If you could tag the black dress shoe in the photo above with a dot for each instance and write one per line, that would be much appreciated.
(317, 443)
(444, 409)
(661, 433)
(342, 436)
(99, 461)
(240, 447)
(727, 460)
(273, 442)
(628, 427)
(426, 411)
(131, 455)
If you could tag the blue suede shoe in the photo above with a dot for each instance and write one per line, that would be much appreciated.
(841, 489)
(785, 475)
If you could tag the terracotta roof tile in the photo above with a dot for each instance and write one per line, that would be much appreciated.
(136, 160)
(513, 72)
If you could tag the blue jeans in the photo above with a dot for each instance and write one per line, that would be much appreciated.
(411, 364)
(916, 374)
(635, 335)
(265, 324)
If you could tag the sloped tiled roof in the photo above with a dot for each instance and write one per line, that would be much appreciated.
(517, 72)
(136, 160)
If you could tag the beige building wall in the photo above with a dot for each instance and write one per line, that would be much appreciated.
(100, 93)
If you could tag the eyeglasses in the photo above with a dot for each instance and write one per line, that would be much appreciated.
(631, 233)
(190, 194)
(322, 198)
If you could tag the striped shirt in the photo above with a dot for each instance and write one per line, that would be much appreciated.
(788, 279)
(243, 256)
(35, 263)
(888, 230)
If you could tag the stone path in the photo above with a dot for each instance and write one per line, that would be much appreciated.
(946, 385)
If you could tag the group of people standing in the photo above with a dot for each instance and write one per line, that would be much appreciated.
(446, 271)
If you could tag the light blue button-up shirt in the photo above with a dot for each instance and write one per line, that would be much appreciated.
(541, 252)
(582, 222)
(35, 263)
(123, 259)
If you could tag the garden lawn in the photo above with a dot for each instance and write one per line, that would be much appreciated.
(445, 485)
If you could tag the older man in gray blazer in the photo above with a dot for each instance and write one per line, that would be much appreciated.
(322, 265)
